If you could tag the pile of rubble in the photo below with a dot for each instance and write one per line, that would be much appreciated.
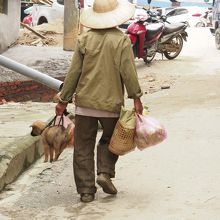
(153, 83)
(45, 2)
(42, 35)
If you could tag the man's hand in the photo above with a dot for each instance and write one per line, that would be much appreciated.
(138, 106)
(60, 108)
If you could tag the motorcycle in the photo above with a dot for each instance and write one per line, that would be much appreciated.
(150, 35)
(205, 20)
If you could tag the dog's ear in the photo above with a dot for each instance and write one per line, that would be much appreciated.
(33, 125)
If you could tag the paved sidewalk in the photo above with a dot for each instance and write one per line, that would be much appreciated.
(177, 179)
(18, 149)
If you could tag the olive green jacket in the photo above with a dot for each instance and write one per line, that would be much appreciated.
(102, 64)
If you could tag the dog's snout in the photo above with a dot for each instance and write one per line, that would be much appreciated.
(33, 134)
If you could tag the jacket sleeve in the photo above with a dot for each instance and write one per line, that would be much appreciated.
(73, 75)
(128, 71)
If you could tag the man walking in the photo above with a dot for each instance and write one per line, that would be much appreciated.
(102, 65)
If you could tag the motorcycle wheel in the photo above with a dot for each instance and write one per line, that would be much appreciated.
(148, 59)
(176, 41)
(200, 24)
(217, 38)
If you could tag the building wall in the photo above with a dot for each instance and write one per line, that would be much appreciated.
(9, 24)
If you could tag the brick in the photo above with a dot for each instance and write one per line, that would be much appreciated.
(13, 87)
(26, 91)
(3, 84)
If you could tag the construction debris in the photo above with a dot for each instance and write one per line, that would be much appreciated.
(3, 101)
(31, 29)
(165, 86)
(42, 35)
(33, 40)
(44, 2)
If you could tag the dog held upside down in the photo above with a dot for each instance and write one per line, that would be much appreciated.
(54, 138)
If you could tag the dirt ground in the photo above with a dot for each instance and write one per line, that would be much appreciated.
(48, 57)
(175, 180)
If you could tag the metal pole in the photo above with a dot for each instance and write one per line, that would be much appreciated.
(31, 73)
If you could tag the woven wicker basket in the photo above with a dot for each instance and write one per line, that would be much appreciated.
(122, 140)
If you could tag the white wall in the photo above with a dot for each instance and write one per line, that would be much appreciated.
(10, 24)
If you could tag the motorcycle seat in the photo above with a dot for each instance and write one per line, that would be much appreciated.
(153, 29)
(170, 28)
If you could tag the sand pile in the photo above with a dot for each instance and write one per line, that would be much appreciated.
(52, 33)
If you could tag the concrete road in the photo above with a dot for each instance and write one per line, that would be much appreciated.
(176, 180)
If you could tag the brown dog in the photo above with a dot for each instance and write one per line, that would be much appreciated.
(54, 138)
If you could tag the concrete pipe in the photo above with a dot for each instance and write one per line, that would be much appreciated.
(31, 73)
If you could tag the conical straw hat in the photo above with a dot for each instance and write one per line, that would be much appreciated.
(107, 14)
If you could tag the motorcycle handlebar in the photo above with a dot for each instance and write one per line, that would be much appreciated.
(154, 17)
(157, 17)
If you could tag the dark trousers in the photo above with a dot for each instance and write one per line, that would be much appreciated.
(84, 144)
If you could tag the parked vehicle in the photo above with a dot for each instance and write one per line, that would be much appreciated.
(159, 37)
(47, 14)
(164, 11)
(138, 12)
(42, 13)
(28, 20)
(24, 5)
(28, 16)
(190, 15)
(205, 19)
(215, 29)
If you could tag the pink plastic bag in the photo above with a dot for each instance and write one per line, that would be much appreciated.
(149, 132)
